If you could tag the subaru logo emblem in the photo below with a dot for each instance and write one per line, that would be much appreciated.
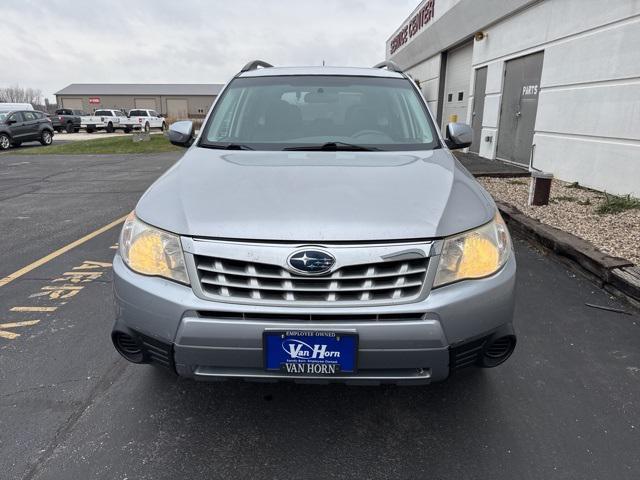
(311, 262)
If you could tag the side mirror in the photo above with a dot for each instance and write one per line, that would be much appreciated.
(181, 133)
(11, 121)
(458, 135)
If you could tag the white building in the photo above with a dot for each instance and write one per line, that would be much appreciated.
(552, 81)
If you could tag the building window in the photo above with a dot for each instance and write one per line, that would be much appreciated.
(450, 97)
(460, 96)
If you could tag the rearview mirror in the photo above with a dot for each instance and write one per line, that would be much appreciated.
(181, 133)
(458, 135)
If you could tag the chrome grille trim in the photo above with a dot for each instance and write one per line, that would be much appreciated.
(377, 274)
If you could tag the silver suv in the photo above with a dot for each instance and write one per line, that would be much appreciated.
(318, 228)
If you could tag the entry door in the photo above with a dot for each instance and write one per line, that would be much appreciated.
(519, 108)
(478, 108)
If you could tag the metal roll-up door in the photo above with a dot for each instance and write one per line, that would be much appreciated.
(177, 108)
(146, 103)
(456, 84)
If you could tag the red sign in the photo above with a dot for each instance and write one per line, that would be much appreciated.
(94, 100)
(419, 20)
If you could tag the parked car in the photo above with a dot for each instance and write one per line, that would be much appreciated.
(65, 119)
(17, 127)
(318, 228)
(147, 119)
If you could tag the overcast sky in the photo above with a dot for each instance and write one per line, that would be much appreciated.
(50, 44)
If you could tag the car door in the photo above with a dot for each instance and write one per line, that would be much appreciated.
(17, 127)
(155, 120)
(31, 126)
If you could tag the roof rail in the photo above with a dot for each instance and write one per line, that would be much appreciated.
(389, 65)
(253, 65)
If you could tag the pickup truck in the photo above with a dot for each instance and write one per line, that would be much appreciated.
(109, 120)
(147, 119)
(66, 119)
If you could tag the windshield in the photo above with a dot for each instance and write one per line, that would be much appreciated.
(278, 112)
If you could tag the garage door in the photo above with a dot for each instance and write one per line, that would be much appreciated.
(72, 103)
(177, 108)
(456, 84)
(146, 103)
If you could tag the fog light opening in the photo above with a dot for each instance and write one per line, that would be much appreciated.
(498, 350)
(128, 347)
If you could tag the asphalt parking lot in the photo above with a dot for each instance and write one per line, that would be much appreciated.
(566, 406)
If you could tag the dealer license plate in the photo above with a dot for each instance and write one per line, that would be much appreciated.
(310, 352)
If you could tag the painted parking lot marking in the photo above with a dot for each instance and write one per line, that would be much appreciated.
(13, 335)
(33, 309)
(57, 292)
(60, 251)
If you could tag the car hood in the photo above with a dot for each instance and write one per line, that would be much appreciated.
(316, 196)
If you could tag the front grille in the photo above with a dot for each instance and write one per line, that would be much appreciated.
(311, 317)
(389, 282)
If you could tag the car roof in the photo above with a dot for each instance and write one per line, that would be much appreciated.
(344, 71)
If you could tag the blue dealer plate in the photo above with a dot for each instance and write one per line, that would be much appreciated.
(310, 352)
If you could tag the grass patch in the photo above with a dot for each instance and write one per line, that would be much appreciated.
(615, 204)
(103, 146)
(516, 182)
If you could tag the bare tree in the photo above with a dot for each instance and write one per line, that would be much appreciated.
(18, 94)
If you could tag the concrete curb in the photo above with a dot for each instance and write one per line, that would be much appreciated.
(615, 274)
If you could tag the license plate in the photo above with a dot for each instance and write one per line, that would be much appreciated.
(310, 352)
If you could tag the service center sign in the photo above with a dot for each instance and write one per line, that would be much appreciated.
(94, 100)
(419, 20)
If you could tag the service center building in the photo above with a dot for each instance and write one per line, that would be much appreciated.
(552, 82)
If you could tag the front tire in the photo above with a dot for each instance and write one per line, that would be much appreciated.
(5, 141)
(147, 127)
(110, 128)
(164, 127)
(46, 138)
(69, 128)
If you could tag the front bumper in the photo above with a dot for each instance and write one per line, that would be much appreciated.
(207, 340)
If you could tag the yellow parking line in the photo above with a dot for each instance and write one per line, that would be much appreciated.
(60, 251)
(33, 309)
(11, 335)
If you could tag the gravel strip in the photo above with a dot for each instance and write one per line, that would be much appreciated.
(573, 210)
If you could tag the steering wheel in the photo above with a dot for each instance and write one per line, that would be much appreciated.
(361, 133)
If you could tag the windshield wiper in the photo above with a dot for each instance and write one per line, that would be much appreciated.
(333, 147)
(226, 146)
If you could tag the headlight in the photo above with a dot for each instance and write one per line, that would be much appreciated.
(151, 251)
(474, 254)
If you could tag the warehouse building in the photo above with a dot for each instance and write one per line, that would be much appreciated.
(552, 83)
(175, 100)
